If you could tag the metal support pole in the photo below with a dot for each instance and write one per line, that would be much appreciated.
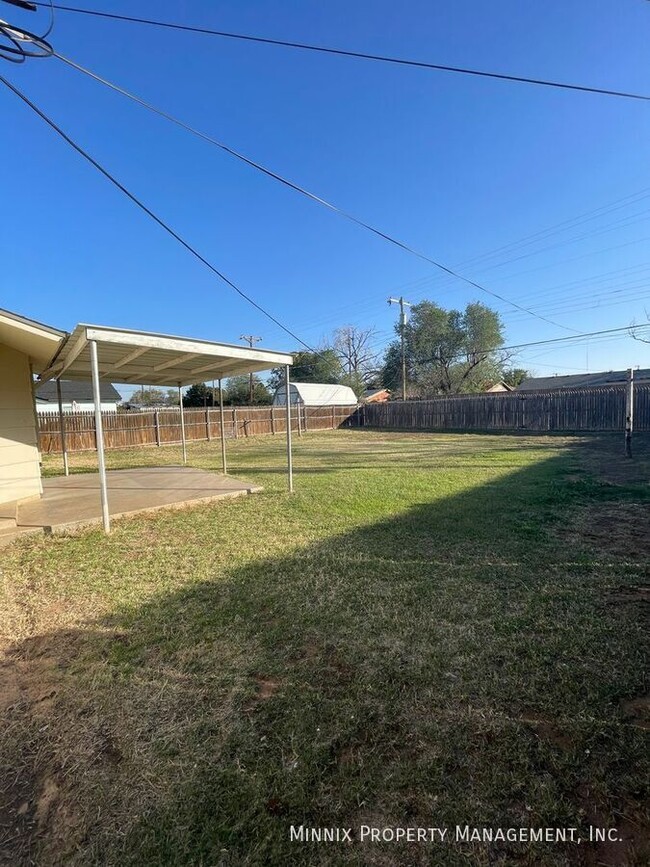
(223, 431)
(289, 455)
(64, 449)
(629, 413)
(99, 432)
(183, 441)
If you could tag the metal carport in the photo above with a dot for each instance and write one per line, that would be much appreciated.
(146, 358)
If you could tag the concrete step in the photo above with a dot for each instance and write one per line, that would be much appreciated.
(10, 534)
(6, 523)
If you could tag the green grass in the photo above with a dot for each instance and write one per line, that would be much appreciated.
(433, 630)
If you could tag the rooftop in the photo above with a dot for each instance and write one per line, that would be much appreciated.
(582, 380)
(79, 391)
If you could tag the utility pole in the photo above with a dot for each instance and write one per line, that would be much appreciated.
(251, 340)
(402, 330)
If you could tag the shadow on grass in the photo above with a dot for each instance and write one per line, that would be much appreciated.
(458, 663)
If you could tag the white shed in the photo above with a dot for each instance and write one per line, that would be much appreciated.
(315, 394)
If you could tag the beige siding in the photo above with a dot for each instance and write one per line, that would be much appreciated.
(20, 475)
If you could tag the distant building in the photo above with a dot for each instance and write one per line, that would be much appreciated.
(582, 380)
(315, 394)
(500, 386)
(375, 395)
(75, 397)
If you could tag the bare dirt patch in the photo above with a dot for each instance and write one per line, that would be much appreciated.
(631, 849)
(637, 711)
(632, 594)
(546, 729)
(266, 687)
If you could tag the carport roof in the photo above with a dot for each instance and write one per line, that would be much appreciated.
(145, 358)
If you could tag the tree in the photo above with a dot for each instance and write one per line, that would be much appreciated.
(353, 347)
(391, 372)
(199, 394)
(514, 376)
(321, 366)
(237, 391)
(447, 351)
(148, 396)
(644, 336)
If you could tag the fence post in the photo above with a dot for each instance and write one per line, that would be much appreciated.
(157, 426)
(207, 424)
(299, 414)
(246, 421)
(629, 413)
(234, 422)
(272, 421)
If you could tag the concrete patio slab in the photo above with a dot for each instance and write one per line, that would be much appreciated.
(74, 501)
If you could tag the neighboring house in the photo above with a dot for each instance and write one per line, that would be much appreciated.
(582, 380)
(315, 394)
(75, 397)
(375, 395)
(498, 387)
(26, 347)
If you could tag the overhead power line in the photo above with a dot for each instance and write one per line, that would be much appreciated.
(358, 55)
(577, 339)
(556, 229)
(148, 210)
(604, 335)
(304, 192)
(20, 44)
(552, 341)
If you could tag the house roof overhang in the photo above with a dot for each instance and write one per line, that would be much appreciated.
(38, 341)
(146, 358)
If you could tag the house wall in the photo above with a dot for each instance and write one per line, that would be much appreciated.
(20, 475)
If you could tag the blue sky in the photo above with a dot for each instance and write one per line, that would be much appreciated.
(455, 166)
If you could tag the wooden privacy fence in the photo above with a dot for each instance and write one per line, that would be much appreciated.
(163, 426)
(589, 409)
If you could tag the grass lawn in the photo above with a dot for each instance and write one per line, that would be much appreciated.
(434, 630)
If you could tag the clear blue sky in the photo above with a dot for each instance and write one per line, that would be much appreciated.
(456, 166)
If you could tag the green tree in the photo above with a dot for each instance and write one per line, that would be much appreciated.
(237, 392)
(514, 376)
(198, 394)
(391, 372)
(148, 396)
(321, 366)
(447, 351)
